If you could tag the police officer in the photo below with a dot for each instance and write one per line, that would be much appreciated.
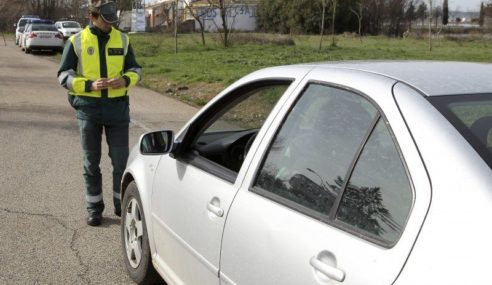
(97, 67)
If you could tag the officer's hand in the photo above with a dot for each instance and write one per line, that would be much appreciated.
(116, 83)
(100, 84)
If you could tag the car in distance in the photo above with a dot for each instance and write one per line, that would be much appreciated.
(324, 173)
(68, 28)
(23, 36)
(19, 27)
(42, 37)
(29, 21)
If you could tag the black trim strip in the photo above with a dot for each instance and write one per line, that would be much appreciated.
(334, 209)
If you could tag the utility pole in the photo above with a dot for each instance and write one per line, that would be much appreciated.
(176, 27)
(430, 25)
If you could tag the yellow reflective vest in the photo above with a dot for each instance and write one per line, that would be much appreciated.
(87, 50)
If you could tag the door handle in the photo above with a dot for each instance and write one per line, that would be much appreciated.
(216, 210)
(328, 270)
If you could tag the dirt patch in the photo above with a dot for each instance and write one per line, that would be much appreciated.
(195, 94)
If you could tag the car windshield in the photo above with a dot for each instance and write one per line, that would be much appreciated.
(50, 28)
(471, 115)
(22, 22)
(70, 25)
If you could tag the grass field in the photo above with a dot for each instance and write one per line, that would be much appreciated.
(197, 72)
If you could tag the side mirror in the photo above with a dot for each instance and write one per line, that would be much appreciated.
(160, 142)
(15, 25)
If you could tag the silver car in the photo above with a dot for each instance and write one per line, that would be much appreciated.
(68, 28)
(352, 173)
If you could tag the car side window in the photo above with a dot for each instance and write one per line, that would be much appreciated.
(226, 136)
(378, 196)
(309, 164)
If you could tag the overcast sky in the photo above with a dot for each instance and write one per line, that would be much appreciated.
(464, 5)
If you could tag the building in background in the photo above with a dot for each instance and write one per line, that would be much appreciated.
(241, 15)
(138, 16)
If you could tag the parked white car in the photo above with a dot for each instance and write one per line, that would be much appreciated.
(361, 173)
(68, 28)
(42, 37)
(19, 27)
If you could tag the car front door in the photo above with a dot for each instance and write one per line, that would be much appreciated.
(193, 190)
(328, 197)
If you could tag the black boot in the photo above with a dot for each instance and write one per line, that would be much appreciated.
(94, 220)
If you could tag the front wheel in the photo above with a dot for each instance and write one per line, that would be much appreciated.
(135, 240)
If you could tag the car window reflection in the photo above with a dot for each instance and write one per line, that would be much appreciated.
(314, 148)
(314, 151)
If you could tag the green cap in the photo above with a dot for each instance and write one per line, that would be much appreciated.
(107, 10)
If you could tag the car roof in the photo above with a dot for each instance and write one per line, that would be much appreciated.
(39, 21)
(26, 20)
(429, 77)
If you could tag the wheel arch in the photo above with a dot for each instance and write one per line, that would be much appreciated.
(127, 179)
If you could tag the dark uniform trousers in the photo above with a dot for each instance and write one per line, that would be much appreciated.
(117, 140)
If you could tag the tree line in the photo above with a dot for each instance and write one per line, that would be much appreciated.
(371, 17)
(365, 17)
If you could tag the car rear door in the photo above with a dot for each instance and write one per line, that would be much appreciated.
(331, 195)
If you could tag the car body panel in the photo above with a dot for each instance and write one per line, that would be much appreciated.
(23, 37)
(458, 78)
(190, 234)
(44, 40)
(268, 226)
(457, 229)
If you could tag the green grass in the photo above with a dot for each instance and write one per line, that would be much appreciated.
(205, 70)
(195, 63)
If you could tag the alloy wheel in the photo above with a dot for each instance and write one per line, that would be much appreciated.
(133, 233)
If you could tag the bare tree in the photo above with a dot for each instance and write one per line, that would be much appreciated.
(334, 12)
(422, 12)
(437, 13)
(223, 8)
(44, 8)
(360, 5)
(410, 15)
(430, 25)
(175, 17)
(481, 17)
(324, 3)
(198, 16)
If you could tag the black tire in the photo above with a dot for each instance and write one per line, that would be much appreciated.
(27, 50)
(142, 272)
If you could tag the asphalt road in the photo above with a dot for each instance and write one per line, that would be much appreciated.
(44, 238)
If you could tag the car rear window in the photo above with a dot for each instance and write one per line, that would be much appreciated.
(471, 115)
(50, 28)
(70, 25)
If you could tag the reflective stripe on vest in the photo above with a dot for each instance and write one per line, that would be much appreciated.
(86, 47)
